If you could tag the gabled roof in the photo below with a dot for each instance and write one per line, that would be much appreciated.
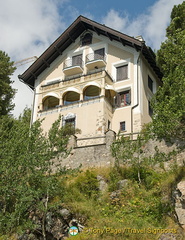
(71, 34)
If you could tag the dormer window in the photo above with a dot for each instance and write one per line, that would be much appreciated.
(86, 39)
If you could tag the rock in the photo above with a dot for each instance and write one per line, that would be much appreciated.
(59, 229)
(123, 183)
(115, 197)
(102, 184)
(49, 221)
(75, 223)
(168, 236)
(179, 197)
(65, 213)
(115, 194)
(26, 236)
(56, 225)
(181, 188)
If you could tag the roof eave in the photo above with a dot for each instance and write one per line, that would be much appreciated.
(69, 36)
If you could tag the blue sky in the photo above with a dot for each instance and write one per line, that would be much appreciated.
(99, 8)
(28, 27)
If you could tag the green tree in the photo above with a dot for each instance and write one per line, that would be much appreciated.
(169, 101)
(26, 179)
(6, 91)
(129, 152)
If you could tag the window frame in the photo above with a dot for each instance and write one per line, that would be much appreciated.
(78, 57)
(150, 84)
(124, 72)
(118, 64)
(119, 99)
(101, 54)
(69, 121)
(86, 41)
(123, 123)
(68, 117)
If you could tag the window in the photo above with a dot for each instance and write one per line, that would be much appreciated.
(122, 72)
(123, 99)
(86, 39)
(108, 124)
(91, 92)
(50, 102)
(122, 126)
(70, 122)
(150, 110)
(99, 53)
(71, 97)
(150, 83)
(77, 60)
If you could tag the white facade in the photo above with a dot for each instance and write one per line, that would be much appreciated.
(97, 84)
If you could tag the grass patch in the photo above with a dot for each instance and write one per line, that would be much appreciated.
(137, 207)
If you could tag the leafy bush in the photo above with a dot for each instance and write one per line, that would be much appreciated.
(87, 183)
(26, 178)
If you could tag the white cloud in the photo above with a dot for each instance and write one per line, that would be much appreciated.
(151, 25)
(27, 29)
(115, 20)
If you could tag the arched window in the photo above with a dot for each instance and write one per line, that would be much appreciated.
(86, 39)
(50, 102)
(71, 97)
(91, 92)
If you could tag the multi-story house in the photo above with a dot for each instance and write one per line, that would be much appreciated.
(96, 78)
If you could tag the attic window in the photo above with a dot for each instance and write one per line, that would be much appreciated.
(86, 39)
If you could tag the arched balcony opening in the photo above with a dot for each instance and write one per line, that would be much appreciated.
(50, 102)
(91, 92)
(71, 97)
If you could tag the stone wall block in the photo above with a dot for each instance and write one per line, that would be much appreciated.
(110, 137)
(72, 143)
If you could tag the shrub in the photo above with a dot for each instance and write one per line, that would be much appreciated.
(87, 183)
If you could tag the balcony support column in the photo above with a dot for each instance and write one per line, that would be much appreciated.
(40, 106)
(60, 101)
(103, 87)
(81, 96)
(102, 91)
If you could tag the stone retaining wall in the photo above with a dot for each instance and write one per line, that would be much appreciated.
(97, 155)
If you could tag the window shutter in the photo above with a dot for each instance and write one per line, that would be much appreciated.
(122, 72)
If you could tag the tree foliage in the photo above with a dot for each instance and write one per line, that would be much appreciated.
(169, 101)
(127, 151)
(26, 178)
(6, 91)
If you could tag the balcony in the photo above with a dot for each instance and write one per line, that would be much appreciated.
(95, 61)
(73, 66)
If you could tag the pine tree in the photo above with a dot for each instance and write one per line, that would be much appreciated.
(6, 91)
